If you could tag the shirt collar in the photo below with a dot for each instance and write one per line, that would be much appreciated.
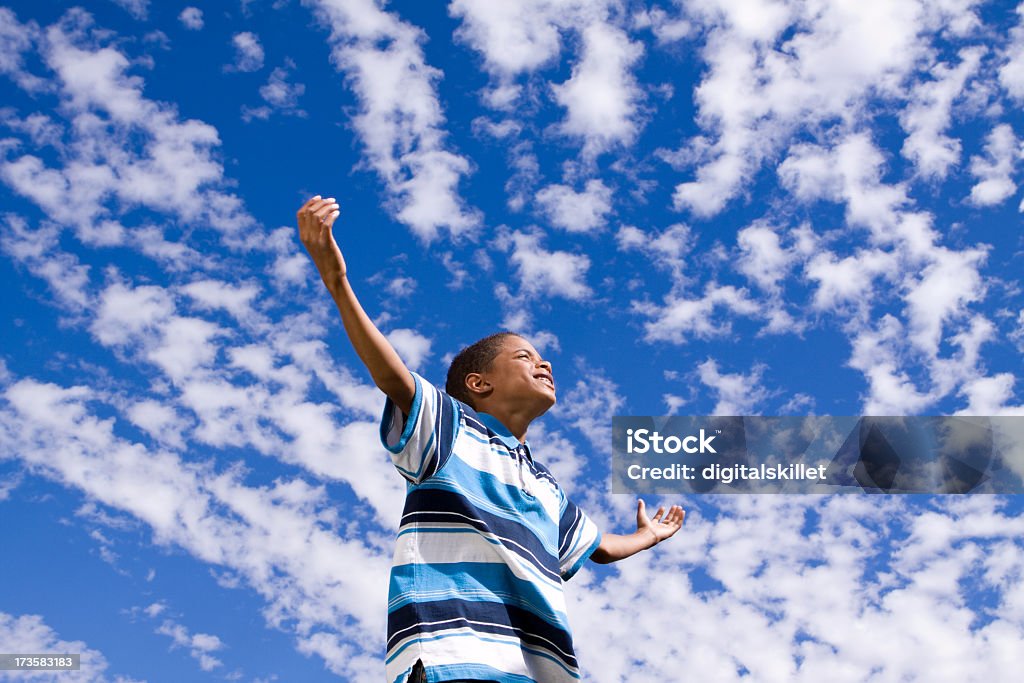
(501, 431)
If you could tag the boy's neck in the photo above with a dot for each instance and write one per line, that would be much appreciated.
(516, 422)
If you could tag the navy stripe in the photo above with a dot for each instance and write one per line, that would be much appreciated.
(426, 504)
(571, 519)
(487, 617)
(447, 425)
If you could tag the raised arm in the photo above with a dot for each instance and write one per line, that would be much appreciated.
(315, 218)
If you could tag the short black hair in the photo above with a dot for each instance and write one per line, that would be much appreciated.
(476, 357)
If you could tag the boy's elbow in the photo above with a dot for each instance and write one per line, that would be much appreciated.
(601, 555)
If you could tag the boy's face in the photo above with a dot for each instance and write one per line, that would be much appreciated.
(519, 374)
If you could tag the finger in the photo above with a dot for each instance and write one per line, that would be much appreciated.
(307, 207)
(659, 513)
(329, 220)
(641, 511)
(318, 205)
(324, 210)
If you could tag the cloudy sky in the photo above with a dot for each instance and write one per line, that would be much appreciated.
(691, 206)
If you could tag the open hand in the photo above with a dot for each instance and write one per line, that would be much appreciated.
(661, 525)
(315, 219)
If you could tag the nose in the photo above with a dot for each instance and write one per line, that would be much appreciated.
(546, 364)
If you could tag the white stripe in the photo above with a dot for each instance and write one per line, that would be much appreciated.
(466, 647)
(550, 645)
(505, 540)
(423, 547)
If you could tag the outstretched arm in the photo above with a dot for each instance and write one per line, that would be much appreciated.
(649, 533)
(315, 218)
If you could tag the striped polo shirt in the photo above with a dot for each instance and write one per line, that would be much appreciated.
(487, 537)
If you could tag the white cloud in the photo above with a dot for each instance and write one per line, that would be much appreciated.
(125, 313)
(104, 172)
(994, 171)
(891, 389)
(1011, 73)
(763, 83)
(852, 172)
(282, 538)
(29, 633)
(512, 37)
(991, 396)
(155, 609)
(590, 405)
(411, 346)
(199, 645)
(400, 119)
(549, 273)
(848, 280)
(217, 404)
(236, 299)
(42, 130)
(160, 421)
(39, 251)
(279, 94)
(137, 8)
(762, 257)
(667, 29)
(191, 18)
(681, 318)
(804, 598)
(946, 285)
(666, 249)
(576, 211)
(736, 393)
(927, 116)
(1016, 335)
(248, 52)
(602, 96)
(15, 40)
(8, 484)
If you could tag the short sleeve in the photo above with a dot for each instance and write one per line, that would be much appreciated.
(422, 442)
(578, 537)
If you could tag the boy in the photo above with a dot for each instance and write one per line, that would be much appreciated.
(487, 534)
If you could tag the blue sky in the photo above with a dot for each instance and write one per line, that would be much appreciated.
(691, 206)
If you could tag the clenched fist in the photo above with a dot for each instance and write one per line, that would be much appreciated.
(315, 219)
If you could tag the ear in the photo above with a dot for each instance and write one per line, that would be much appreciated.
(478, 385)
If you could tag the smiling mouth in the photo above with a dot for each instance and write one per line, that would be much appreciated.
(546, 380)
